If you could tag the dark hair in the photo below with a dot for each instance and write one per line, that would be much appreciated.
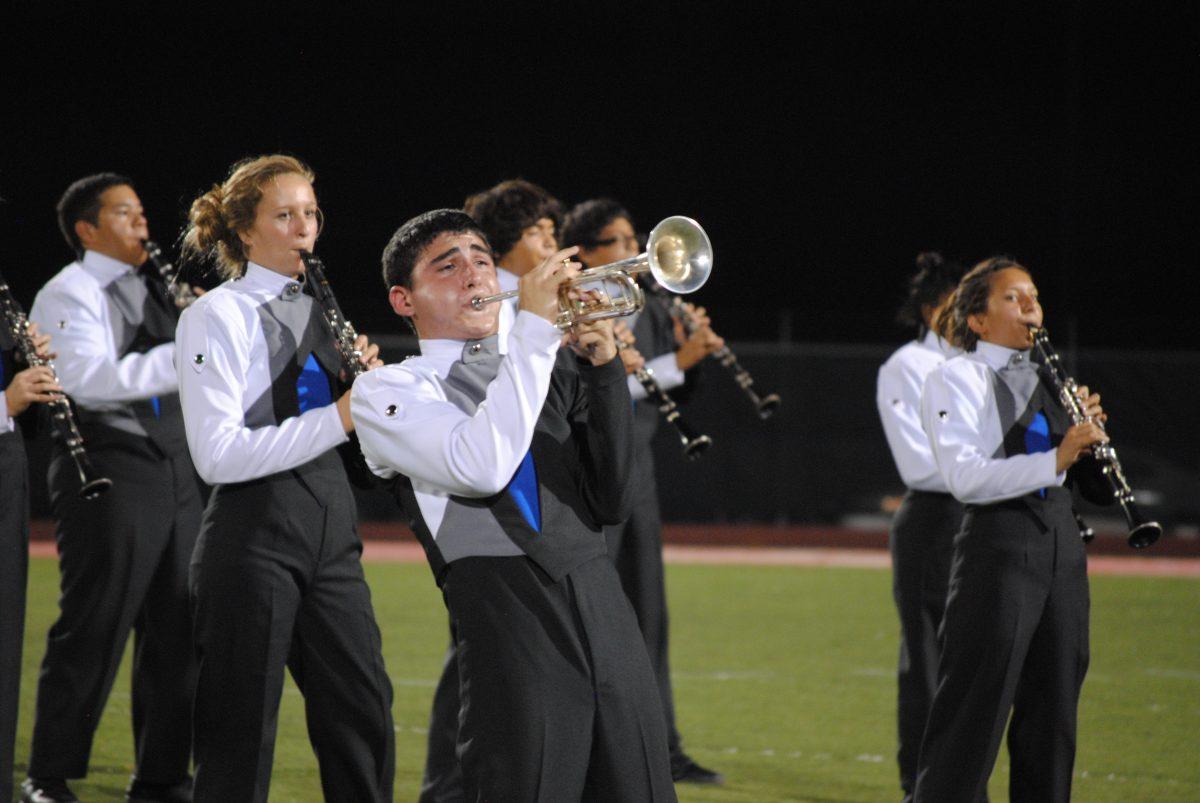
(971, 298)
(218, 215)
(584, 222)
(404, 249)
(506, 210)
(936, 277)
(81, 201)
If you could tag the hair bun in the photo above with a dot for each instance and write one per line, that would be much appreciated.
(929, 260)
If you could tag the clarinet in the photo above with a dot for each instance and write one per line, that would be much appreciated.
(692, 442)
(180, 292)
(763, 405)
(341, 329)
(1142, 533)
(91, 485)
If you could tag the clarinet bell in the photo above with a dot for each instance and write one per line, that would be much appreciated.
(767, 405)
(1145, 534)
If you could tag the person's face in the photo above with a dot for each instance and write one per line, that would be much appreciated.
(285, 221)
(120, 226)
(452, 270)
(537, 244)
(1011, 309)
(616, 241)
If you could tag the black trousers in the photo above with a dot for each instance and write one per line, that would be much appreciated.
(1015, 638)
(558, 697)
(277, 581)
(922, 544)
(636, 550)
(123, 562)
(14, 566)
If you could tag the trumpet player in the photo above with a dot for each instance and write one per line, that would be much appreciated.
(277, 579)
(603, 231)
(508, 463)
(123, 558)
(1015, 628)
(21, 386)
(921, 539)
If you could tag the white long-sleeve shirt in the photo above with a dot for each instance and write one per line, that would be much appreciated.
(960, 413)
(898, 397)
(407, 425)
(73, 309)
(224, 368)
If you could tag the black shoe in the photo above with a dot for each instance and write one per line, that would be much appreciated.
(684, 770)
(140, 792)
(46, 790)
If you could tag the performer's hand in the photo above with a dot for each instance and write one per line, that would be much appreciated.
(368, 352)
(41, 343)
(594, 341)
(31, 385)
(631, 358)
(1091, 404)
(701, 343)
(343, 408)
(539, 287)
(1077, 443)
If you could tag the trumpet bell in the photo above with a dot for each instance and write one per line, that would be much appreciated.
(680, 254)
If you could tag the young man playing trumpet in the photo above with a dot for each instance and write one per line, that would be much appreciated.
(509, 459)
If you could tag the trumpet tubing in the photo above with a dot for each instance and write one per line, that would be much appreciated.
(678, 254)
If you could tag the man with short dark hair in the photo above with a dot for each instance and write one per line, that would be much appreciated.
(509, 460)
(123, 558)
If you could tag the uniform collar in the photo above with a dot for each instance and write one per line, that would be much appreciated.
(933, 342)
(506, 279)
(444, 353)
(998, 357)
(257, 277)
(104, 269)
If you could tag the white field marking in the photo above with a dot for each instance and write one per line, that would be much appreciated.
(768, 752)
(411, 729)
(869, 758)
(1180, 674)
(723, 675)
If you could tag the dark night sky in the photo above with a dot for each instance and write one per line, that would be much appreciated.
(821, 144)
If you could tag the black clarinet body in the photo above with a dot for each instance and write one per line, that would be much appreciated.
(180, 292)
(342, 330)
(693, 443)
(62, 418)
(765, 406)
(1142, 532)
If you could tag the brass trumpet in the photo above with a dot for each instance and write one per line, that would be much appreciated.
(678, 254)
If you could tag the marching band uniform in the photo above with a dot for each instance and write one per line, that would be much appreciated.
(14, 564)
(276, 577)
(122, 557)
(635, 545)
(1015, 632)
(921, 540)
(508, 467)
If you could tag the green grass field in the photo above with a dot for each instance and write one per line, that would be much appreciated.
(783, 679)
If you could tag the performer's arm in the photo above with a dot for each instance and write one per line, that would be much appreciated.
(211, 390)
(87, 367)
(951, 406)
(898, 397)
(405, 426)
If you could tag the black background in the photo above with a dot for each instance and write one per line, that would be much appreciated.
(822, 145)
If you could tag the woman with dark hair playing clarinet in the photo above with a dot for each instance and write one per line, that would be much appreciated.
(276, 578)
(1015, 632)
